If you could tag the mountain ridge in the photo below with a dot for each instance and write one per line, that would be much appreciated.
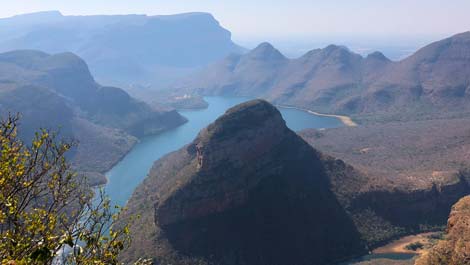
(58, 92)
(336, 80)
(124, 50)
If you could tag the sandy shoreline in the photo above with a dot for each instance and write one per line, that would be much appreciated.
(399, 245)
(344, 119)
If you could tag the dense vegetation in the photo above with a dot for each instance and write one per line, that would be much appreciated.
(410, 154)
(412, 173)
(47, 213)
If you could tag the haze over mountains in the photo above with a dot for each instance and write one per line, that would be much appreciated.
(336, 80)
(124, 49)
(58, 92)
(248, 190)
(145, 52)
(142, 53)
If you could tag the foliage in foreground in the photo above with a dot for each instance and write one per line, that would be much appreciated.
(47, 214)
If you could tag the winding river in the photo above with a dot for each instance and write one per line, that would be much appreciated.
(124, 177)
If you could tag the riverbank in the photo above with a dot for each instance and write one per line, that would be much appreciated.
(400, 251)
(402, 245)
(344, 119)
(135, 165)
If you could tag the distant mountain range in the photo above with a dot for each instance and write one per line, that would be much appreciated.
(58, 92)
(124, 49)
(334, 79)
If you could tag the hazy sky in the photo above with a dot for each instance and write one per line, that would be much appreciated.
(259, 19)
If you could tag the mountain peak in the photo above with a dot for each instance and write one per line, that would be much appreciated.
(338, 51)
(266, 51)
(258, 109)
(41, 61)
(238, 185)
(377, 56)
(454, 49)
(334, 47)
(265, 45)
(329, 50)
(255, 118)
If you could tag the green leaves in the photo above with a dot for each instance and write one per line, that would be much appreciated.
(67, 240)
(44, 206)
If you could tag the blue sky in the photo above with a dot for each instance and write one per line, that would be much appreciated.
(257, 20)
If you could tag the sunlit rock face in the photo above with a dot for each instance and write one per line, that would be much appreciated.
(455, 248)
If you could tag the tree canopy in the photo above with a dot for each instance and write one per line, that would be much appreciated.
(48, 214)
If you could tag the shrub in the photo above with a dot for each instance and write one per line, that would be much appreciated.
(414, 246)
(46, 211)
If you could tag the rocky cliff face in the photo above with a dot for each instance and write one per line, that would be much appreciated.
(124, 50)
(385, 214)
(247, 190)
(455, 248)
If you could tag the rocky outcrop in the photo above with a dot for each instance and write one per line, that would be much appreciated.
(247, 190)
(258, 132)
(455, 248)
